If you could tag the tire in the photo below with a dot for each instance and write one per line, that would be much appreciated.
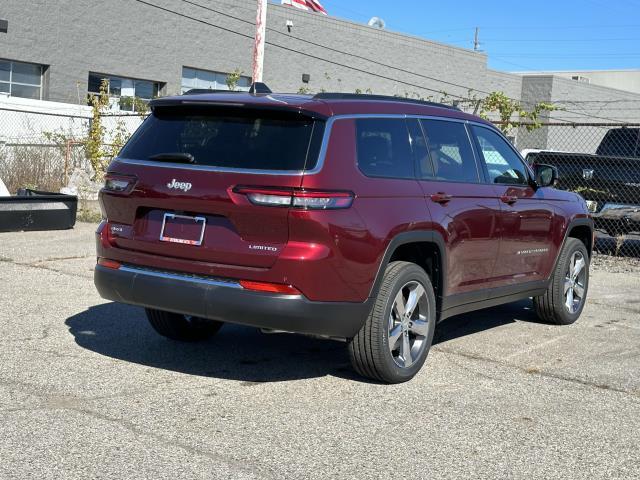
(369, 351)
(553, 306)
(183, 328)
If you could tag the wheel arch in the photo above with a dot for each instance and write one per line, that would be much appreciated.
(583, 230)
(424, 248)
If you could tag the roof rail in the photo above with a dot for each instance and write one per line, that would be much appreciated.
(387, 98)
(199, 91)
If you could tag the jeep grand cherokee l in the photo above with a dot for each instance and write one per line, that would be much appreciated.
(366, 219)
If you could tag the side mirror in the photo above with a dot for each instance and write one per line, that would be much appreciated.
(545, 175)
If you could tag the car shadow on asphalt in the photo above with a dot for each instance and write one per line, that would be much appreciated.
(484, 320)
(243, 353)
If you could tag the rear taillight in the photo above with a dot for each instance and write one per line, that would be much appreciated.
(272, 198)
(116, 183)
(322, 200)
(297, 198)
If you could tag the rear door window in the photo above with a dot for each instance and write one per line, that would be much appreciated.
(383, 148)
(235, 140)
(451, 154)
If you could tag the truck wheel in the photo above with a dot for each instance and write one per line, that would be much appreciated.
(565, 297)
(394, 342)
(183, 328)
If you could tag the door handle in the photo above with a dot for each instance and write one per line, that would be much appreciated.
(440, 197)
(509, 199)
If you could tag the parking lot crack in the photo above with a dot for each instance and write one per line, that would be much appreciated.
(139, 434)
(58, 402)
(39, 265)
(55, 259)
(541, 373)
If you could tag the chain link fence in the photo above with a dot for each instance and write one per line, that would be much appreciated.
(42, 150)
(600, 161)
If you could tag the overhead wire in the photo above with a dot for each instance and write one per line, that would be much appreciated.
(333, 62)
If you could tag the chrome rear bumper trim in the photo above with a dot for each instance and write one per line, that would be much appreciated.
(180, 277)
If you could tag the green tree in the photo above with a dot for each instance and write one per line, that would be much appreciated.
(133, 104)
(233, 78)
(119, 137)
(94, 145)
(506, 108)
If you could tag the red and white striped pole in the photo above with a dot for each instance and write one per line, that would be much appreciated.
(258, 46)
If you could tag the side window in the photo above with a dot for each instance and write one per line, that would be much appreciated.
(419, 147)
(383, 148)
(503, 164)
(450, 151)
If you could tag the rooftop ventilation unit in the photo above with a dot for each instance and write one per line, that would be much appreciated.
(376, 22)
(581, 79)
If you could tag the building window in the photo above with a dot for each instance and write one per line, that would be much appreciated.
(126, 94)
(205, 79)
(19, 79)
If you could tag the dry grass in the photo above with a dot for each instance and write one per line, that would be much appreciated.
(88, 216)
(38, 167)
(31, 167)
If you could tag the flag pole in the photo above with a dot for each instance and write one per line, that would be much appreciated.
(258, 46)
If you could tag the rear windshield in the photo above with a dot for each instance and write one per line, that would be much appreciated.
(258, 141)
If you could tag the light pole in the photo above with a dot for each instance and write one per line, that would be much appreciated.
(258, 46)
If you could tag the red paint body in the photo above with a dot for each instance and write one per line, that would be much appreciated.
(335, 255)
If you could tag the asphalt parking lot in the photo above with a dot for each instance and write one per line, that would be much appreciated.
(88, 390)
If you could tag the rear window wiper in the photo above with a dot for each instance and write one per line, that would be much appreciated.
(178, 157)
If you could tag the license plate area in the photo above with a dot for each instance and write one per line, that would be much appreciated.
(182, 229)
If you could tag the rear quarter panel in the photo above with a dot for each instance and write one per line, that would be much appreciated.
(382, 209)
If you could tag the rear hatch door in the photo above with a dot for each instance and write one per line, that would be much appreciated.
(230, 147)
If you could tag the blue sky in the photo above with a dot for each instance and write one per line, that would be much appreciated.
(517, 35)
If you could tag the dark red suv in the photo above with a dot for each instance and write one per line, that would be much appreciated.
(359, 218)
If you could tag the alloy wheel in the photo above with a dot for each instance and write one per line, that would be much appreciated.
(575, 282)
(408, 324)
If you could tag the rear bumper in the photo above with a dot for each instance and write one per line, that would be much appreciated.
(227, 301)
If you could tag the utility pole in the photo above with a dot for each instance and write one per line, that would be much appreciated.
(258, 46)
(476, 40)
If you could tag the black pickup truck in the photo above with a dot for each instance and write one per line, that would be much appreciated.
(609, 180)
